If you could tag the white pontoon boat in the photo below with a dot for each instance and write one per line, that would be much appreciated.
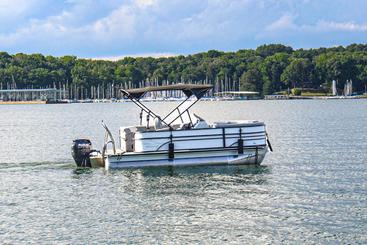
(178, 139)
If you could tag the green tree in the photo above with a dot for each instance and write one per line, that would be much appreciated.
(272, 68)
(268, 69)
(271, 49)
(298, 73)
(252, 80)
(336, 66)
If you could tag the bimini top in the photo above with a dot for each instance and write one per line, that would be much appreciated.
(187, 89)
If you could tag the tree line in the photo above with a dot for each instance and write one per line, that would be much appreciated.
(267, 69)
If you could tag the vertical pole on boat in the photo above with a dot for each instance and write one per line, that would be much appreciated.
(256, 155)
(171, 147)
(148, 116)
(141, 117)
(240, 144)
(224, 137)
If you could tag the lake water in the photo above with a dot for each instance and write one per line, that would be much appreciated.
(312, 189)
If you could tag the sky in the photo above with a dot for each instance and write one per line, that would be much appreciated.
(117, 28)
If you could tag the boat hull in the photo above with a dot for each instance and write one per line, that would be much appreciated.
(250, 156)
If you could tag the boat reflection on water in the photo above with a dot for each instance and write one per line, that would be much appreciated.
(192, 181)
(230, 170)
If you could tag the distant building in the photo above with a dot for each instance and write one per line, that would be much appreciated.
(238, 94)
(31, 94)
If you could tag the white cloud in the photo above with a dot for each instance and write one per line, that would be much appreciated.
(341, 26)
(93, 28)
(120, 24)
(145, 3)
(285, 22)
(286, 25)
(213, 21)
(117, 26)
(14, 8)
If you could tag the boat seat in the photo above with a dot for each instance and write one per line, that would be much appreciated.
(157, 123)
(201, 124)
(127, 140)
(185, 126)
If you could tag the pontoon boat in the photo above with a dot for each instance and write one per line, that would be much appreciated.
(177, 139)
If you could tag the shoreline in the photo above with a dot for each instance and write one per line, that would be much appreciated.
(305, 97)
(36, 102)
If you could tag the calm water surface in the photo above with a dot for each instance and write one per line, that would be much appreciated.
(312, 189)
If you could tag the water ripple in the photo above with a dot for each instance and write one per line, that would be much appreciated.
(312, 189)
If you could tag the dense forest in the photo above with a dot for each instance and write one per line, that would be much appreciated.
(267, 69)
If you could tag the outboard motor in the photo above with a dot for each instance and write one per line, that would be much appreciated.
(80, 151)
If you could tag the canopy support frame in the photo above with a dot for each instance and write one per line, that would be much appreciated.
(189, 90)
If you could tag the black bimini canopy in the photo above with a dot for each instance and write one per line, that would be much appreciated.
(187, 89)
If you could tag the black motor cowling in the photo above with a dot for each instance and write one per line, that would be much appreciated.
(80, 151)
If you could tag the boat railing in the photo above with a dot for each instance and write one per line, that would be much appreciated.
(108, 140)
(226, 137)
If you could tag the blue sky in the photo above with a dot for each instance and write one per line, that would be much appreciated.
(115, 28)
